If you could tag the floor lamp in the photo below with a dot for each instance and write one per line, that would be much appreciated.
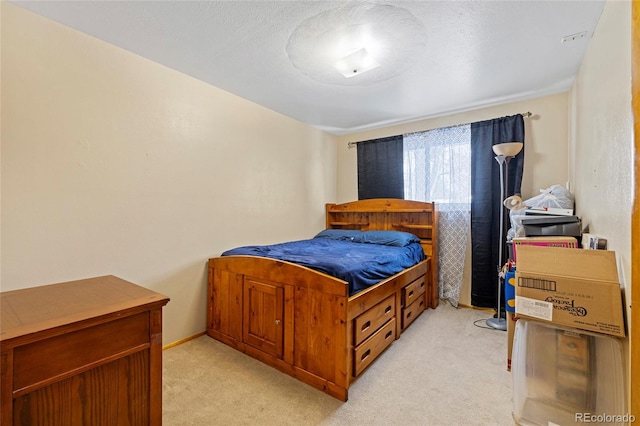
(504, 152)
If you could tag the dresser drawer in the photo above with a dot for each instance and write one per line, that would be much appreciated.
(367, 323)
(413, 291)
(411, 312)
(43, 362)
(365, 353)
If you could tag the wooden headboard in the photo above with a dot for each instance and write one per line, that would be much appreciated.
(392, 214)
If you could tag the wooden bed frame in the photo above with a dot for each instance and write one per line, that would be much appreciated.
(304, 322)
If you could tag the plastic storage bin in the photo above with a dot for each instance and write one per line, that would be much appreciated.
(565, 376)
(552, 225)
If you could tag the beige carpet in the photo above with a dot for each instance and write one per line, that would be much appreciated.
(444, 370)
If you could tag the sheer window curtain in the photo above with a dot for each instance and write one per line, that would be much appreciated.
(437, 167)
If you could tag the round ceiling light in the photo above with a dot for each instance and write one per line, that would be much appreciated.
(357, 45)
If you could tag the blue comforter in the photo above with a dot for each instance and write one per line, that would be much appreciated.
(361, 264)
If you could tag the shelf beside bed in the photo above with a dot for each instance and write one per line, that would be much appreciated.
(355, 225)
(417, 217)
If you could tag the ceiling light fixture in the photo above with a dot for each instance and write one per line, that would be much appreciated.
(356, 63)
(382, 39)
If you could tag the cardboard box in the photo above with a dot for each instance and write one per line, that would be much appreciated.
(575, 288)
(566, 242)
(511, 327)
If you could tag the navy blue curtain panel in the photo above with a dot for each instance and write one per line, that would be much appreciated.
(380, 170)
(486, 202)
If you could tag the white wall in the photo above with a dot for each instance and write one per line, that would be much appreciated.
(601, 138)
(601, 142)
(113, 164)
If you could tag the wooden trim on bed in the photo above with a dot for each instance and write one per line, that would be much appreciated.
(301, 321)
(417, 217)
(280, 271)
(369, 297)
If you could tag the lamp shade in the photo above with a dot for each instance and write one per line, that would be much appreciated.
(508, 149)
(513, 203)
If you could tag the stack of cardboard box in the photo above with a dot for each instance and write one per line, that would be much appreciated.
(543, 227)
(552, 241)
(567, 354)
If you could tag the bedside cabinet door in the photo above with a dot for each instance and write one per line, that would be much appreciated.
(263, 323)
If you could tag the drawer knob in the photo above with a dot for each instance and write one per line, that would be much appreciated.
(389, 333)
(366, 325)
(386, 311)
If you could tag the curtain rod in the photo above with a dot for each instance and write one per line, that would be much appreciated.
(353, 144)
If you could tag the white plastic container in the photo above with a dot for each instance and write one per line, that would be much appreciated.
(566, 376)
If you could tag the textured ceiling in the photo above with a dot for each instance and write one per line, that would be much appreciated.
(472, 53)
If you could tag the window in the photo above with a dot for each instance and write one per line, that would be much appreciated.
(437, 166)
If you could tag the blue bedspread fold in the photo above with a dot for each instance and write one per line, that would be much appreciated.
(360, 264)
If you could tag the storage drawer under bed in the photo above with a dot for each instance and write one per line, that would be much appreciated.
(413, 291)
(367, 323)
(411, 312)
(364, 354)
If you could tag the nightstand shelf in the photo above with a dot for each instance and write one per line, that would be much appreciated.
(353, 224)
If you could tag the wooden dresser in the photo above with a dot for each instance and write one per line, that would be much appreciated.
(85, 352)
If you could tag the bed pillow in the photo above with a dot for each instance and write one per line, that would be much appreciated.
(389, 238)
(342, 234)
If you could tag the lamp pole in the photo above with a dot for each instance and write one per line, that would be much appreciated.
(498, 322)
(504, 152)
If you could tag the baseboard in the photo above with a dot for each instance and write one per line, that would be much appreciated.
(181, 341)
